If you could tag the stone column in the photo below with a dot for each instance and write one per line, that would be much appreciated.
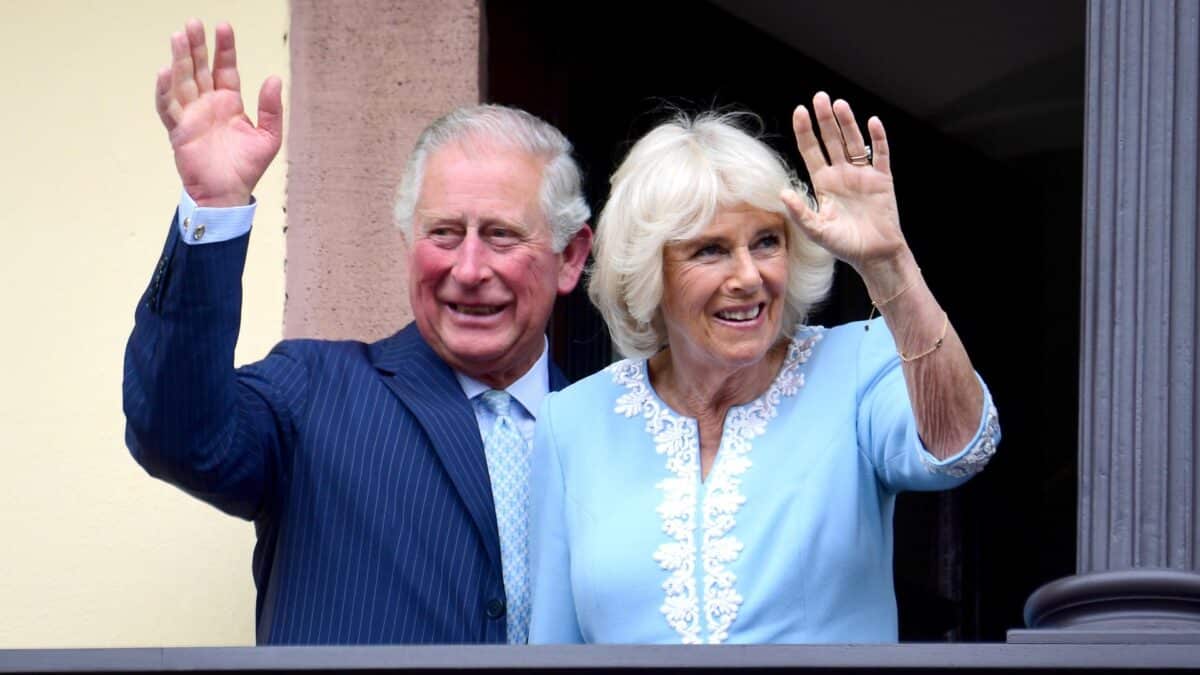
(367, 76)
(1139, 407)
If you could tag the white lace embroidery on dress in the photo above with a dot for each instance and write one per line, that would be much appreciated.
(676, 438)
(977, 457)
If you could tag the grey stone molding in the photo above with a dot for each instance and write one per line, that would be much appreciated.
(1124, 600)
(909, 658)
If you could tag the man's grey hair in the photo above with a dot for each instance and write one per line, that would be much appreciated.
(561, 193)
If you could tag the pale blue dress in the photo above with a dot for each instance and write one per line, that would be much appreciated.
(788, 539)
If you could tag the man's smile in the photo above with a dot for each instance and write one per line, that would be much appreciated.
(475, 309)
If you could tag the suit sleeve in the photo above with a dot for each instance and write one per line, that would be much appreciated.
(553, 619)
(191, 418)
(887, 427)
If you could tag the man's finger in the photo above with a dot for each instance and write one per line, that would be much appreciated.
(183, 76)
(199, 52)
(162, 98)
(270, 108)
(225, 74)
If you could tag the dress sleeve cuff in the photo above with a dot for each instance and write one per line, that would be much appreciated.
(972, 458)
(209, 225)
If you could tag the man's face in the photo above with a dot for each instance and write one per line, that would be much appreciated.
(484, 274)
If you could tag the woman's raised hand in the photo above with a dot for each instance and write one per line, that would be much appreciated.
(219, 153)
(856, 217)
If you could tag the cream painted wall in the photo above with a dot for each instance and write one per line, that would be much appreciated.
(93, 552)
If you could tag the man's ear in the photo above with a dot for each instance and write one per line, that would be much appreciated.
(573, 258)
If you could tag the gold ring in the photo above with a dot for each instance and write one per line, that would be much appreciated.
(863, 159)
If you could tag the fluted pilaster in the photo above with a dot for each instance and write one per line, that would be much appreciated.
(1139, 478)
(1138, 415)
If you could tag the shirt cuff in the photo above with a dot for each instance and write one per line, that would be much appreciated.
(209, 225)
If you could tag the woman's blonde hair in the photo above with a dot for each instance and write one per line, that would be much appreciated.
(669, 189)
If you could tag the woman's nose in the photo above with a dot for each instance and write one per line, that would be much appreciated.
(744, 276)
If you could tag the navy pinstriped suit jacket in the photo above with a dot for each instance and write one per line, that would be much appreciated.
(361, 465)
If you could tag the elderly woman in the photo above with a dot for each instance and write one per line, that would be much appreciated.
(733, 480)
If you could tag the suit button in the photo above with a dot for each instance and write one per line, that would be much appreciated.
(495, 608)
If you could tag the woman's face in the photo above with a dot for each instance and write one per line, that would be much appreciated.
(724, 291)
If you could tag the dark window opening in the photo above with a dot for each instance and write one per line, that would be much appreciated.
(984, 111)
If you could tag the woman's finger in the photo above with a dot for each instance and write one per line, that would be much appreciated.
(806, 141)
(831, 135)
(804, 215)
(852, 138)
(879, 145)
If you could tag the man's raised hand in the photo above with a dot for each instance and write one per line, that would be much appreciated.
(219, 153)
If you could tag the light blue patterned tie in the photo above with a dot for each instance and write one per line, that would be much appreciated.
(508, 458)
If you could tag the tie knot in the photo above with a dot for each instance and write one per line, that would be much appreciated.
(499, 402)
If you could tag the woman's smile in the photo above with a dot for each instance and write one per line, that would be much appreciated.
(743, 315)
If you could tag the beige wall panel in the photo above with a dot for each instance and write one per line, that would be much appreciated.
(93, 552)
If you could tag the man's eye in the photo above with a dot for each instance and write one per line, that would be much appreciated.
(503, 235)
(444, 235)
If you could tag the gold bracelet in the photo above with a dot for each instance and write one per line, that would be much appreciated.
(936, 345)
(876, 305)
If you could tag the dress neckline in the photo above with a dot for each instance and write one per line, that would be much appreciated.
(698, 517)
(799, 349)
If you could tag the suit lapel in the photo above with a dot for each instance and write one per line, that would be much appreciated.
(428, 388)
(557, 379)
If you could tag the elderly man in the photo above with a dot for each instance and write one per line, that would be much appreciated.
(387, 481)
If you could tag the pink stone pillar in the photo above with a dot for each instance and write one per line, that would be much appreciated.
(367, 76)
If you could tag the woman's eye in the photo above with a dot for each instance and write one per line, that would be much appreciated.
(707, 251)
(768, 242)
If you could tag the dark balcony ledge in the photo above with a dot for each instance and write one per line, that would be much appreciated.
(776, 658)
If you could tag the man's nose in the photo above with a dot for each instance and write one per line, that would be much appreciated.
(471, 264)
